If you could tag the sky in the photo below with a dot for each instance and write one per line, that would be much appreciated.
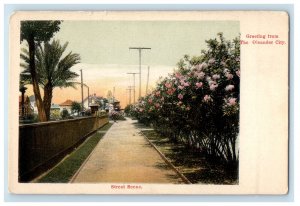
(106, 59)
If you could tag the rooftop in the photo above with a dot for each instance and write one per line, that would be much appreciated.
(67, 103)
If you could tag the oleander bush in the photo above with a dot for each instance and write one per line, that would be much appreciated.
(198, 104)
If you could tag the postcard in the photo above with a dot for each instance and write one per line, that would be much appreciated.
(148, 102)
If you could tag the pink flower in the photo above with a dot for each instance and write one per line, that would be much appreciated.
(188, 108)
(150, 101)
(157, 105)
(171, 91)
(182, 78)
(199, 85)
(216, 76)
(211, 61)
(204, 65)
(229, 87)
(199, 75)
(141, 110)
(180, 96)
(210, 82)
(157, 93)
(238, 73)
(162, 99)
(168, 85)
(186, 84)
(207, 98)
(181, 87)
(179, 103)
(177, 75)
(231, 101)
(199, 67)
(213, 87)
(229, 76)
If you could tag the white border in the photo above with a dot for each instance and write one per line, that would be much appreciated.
(295, 86)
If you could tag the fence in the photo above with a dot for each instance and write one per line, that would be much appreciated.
(42, 145)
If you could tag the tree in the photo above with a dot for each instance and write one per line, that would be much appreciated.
(33, 32)
(76, 107)
(64, 114)
(52, 69)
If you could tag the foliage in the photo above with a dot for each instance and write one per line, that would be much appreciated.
(76, 107)
(198, 104)
(35, 32)
(55, 114)
(64, 114)
(116, 115)
(52, 68)
(128, 109)
(88, 112)
(40, 31)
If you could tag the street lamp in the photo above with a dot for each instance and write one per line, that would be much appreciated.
(22, 89)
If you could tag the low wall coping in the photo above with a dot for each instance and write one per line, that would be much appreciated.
(58, 121)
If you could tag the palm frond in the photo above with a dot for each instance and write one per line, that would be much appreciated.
(51, 67)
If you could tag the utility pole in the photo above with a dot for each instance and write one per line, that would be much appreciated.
(88, 89)
(81, 91)
(133, 73)
(147, 80)
(129, 89)
(114, 94)
(88, 96)
(140, 64)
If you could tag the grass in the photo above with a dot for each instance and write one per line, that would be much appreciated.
(64, 171)
(195, 166)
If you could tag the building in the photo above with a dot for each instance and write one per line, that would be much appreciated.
(33, 104)
(117, 106)
(66, 105)
(94, 100)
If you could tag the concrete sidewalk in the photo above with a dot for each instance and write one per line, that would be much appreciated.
(122, 156)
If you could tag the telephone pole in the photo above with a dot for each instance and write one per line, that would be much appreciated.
(140, 64)
(129, 89)
(133, 73)
(147, 80)
(81, 90)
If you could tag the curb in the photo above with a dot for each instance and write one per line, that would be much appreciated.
(186, 180)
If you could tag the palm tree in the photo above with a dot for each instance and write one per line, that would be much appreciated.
(53, 70)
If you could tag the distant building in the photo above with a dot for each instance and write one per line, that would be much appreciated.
(28, 110)
(33, 104)
(66, 105)
(95, 100)
(55, 107)
(117, 106)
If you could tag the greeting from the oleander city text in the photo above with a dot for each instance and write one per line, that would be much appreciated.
(262, 39)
